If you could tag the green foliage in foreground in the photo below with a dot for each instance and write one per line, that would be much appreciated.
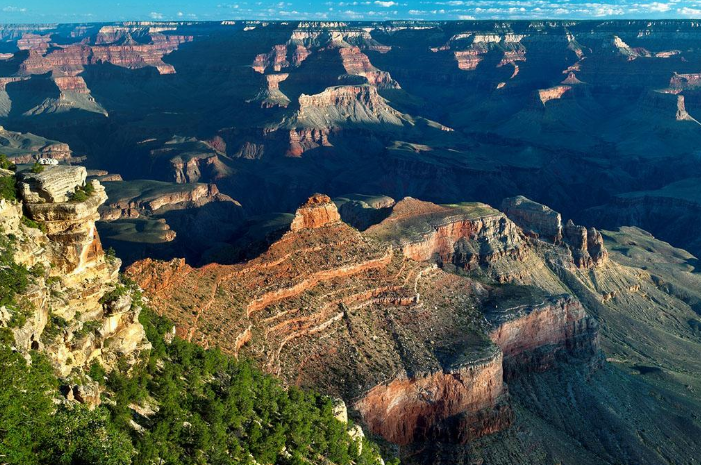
(33, 430)
(8, 187)
(6, 164)
(37, 168)
(211, 409)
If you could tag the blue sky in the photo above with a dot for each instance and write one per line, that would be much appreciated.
(27, 11)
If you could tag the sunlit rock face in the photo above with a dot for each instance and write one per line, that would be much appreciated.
(72, 276)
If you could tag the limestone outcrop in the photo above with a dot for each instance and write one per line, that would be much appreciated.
(318, 211)
(74, 309)
(534, 218)
(54, 184)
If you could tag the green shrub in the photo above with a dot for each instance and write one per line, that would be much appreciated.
(97, 372)
(82, 193)
(54, 327)
(30, 223)
(79, 196)
(118, 291)
(88, 327)
(6, 164)
(37, 168)
(211, 408)
(110, 255)
(8, 188)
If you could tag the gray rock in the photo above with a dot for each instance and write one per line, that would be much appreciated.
(54, 184)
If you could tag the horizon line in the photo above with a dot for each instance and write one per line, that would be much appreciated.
(331, 20)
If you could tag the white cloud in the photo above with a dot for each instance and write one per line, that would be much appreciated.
(155, 15)
(659, 7)
(14, 9)
(386, 4)
(466, 17)
(686, 11)
(180, 14)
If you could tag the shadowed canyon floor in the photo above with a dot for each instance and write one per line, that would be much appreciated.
(598, 119)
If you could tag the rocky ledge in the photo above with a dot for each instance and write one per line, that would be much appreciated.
(74, 309)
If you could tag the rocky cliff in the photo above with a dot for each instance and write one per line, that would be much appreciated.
(412, 351)
(74, 309)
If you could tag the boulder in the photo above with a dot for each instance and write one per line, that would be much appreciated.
(54, 184)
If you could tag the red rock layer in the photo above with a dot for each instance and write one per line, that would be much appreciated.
(318, 211)
(70, 59)
(553, 93)
(302, 140)
(455, 406)
(275, 59)
(357, 63)
(533, 336)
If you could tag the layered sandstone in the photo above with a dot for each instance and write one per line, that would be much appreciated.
(453, 406)
(70, 319)
(28, 148)
(302, 140)
(324, 279)
(419, 352)
(533, 336)
(133, 199)
(468, 235)
(357, 63)
(188, 159)
(534, 218)
(343, 105)
(318, 211)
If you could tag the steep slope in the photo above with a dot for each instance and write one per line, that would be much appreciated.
(422, 352)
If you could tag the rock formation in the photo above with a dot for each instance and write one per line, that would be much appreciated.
(540, 221)
(28, 148)
(70, 311)
(466, 236)
(318, 211)
(559, 323)
(587, 245)
(414, 354)
(534, 218)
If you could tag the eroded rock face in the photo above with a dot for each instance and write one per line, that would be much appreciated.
(357, 63)
(534, 218)
(69, 319)
(55, 184)
(453, 406)
(370, 317)
(587, 245)
(533, 336)
(541, 222)
(318, 211)
(467, 236)
(27, 147)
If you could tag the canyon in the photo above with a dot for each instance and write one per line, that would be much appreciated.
(423, 321)
(458, 228)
